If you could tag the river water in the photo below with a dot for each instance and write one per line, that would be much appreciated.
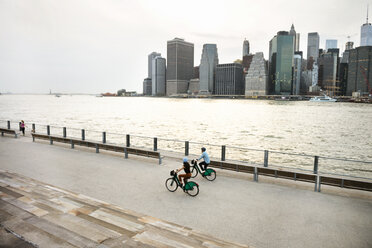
(246, 127)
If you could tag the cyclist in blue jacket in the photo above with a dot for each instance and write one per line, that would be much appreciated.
(206, 159)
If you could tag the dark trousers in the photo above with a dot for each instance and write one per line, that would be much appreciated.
(201, 164)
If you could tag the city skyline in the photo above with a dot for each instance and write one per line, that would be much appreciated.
(94, 47)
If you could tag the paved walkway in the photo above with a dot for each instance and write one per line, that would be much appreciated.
(47, 216)
(230, 208)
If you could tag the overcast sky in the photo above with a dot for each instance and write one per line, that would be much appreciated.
(91, 46)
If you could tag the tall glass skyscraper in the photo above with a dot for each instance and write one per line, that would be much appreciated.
(158, 76)
(149, 62)
(281, 50)
(207, 68)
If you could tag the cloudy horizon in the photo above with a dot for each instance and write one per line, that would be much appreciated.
(96, 46)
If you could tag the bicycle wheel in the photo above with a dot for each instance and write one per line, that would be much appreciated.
(193, 189)
(194, 172)
(171, 184)
(210, 174)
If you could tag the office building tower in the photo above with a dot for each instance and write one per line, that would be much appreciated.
(180, 65)
(281, 50)
(328, 71)
(312, 49)
(366, 33)
(158, 76)
(296, 85)
(330, 44)
(359, 76)
(296, 39)
(151, 56)
(349, 45)
(208, 63)
(229, 79)
(245, 47)
(147, 87)
(257, 76)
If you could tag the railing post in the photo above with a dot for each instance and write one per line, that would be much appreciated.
(155, 144)
(128, 140)
(266, 158)
(316, 158)
(103, 137)
(33, 128)
(186, 148)
(82, 134)
(64, 132)
(125, 152)
(223, 153)
(8, 124)
(48, 130)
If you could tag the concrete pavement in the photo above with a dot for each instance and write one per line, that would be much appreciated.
(230, 208)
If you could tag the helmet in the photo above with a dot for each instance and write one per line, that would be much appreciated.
(185, 159)
(203, 149)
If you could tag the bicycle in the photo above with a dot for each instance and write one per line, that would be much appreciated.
(190, 187)
(208, 174)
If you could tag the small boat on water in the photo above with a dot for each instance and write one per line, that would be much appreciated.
(324, 98)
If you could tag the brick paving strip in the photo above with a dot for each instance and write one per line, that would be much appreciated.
(42, 215)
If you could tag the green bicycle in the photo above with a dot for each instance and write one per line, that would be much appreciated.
(172, 184)
(209, 173)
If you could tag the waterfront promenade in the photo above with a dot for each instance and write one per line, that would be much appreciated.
(232, 208)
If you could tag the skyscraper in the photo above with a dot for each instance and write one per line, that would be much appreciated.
(330, 44)
(296, 85)
(208, 63)
(257, 76)
(245, 47)
(229, 79)
(366, 33)
(360, 70)
(158, 76)
(296, 39)
(312, 49)
(281, 63)
(328, 71)
(180, 65)
(150, 58)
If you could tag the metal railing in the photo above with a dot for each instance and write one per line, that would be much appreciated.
(298, 161)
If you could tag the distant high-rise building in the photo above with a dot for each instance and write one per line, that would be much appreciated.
(328, 71)
(330, 44)
(180, 65)
(257, 77)
(208, 63)
(296, 39)
(229, 79)
(296, 86)
(245, 47)
(281, 50)
(147, 87)
(360, 70)
(158, 76)
(312, 48)
(150, 58)
(366, 33)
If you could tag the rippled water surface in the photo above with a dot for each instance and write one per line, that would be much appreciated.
(342, 130)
